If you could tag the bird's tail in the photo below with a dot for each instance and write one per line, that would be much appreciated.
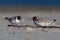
(54, 20)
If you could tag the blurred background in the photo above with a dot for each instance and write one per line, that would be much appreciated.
(27, 9)
(29, 5)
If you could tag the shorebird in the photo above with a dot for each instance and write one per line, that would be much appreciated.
(42, 21)
(14, 20)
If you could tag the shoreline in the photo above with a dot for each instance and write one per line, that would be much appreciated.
(27, 9)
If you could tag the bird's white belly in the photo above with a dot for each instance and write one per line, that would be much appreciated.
(16, 21)
(43, 23)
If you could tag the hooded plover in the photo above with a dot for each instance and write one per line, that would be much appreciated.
(14, 20)
(42, 21)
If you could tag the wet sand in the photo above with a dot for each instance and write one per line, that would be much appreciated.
(53, 34)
